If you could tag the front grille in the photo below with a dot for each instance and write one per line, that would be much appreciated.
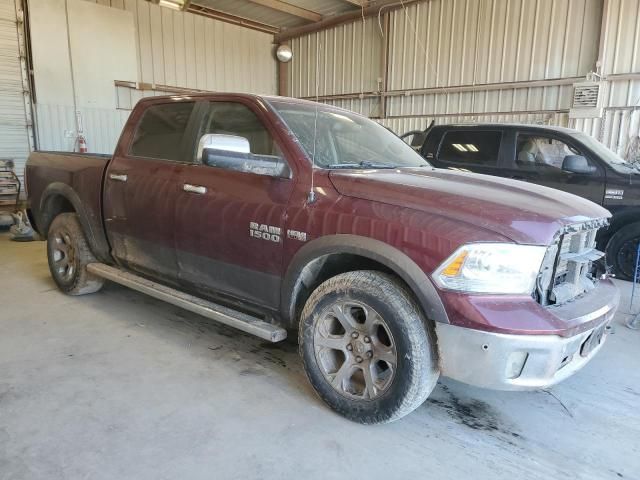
(568, 268)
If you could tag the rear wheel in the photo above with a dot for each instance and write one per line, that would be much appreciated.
(69, 254)
(366, 347)
(622, 250)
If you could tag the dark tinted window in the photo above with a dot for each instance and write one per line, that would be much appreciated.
(230, 118)
(542, 153)
(237, 120)
(471, 147)
(160, 133)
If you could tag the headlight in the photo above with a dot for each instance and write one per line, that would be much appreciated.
(491, 268)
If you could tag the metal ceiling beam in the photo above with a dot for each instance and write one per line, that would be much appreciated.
(381, 6)
(357, 3)
(233, 19)
(285, 7)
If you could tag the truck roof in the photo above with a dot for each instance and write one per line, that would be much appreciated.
(568, 131)
(252, 96)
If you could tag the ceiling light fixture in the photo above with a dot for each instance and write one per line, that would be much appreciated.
(471, 147)
(459, 147)
(173, 4)
(284, 53)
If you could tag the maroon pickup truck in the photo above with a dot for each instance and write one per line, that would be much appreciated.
(272, 215)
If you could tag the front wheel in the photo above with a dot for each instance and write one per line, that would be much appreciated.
(622, 250)
(366, 347)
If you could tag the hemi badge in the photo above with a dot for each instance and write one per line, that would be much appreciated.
(613, 194)
(296, 235)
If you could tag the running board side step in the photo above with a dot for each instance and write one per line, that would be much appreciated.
(219, 313)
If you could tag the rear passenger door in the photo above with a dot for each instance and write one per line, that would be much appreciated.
(472, 150)
(142, 186)
(230, 222)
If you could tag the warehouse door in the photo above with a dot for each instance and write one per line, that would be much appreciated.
(14, 133)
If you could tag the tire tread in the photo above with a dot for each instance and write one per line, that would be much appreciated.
(424, 372)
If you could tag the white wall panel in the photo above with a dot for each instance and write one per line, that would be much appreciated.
(191, 51)
(621, 37)
(100, 39)
(57, 127)
(463, 42)
(163, 46)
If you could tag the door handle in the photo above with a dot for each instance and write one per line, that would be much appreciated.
(118, 177)
(200, 190)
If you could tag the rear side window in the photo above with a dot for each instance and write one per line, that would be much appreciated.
(161, 131)
(471, 147)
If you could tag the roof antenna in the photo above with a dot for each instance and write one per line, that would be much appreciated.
(312, 193)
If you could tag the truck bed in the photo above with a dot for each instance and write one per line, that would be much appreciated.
(79, 176)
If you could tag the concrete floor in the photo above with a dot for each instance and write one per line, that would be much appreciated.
(117, 385)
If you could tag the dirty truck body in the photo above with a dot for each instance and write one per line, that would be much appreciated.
(273, 215)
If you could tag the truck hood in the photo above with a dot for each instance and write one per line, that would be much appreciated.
(522, 212)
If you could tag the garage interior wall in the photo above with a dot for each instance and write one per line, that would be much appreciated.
(169, 50)
(478, 61)
(619, 126)
(97, 46)
(15, 123)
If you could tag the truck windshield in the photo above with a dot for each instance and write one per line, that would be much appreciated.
(603, 152)
(339, 139)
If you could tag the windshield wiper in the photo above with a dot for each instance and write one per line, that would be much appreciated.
(363, 164)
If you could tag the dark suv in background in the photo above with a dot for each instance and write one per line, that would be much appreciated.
(555, 157)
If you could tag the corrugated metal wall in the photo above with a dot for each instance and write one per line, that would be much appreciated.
(14, 134)
(57, 127)
(347, 58)
(173, 49)
(619, 127)
(468, 42)
(478, 60)
(186, 50)
(440, 44)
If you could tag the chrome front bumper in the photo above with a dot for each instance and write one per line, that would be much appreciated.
(522, 362)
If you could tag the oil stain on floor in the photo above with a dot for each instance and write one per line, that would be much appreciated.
(471, 413)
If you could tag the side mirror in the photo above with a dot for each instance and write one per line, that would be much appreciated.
(233, 152)
(577, 164)
(214, 143)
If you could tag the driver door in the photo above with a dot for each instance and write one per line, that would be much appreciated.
(538, 159)
(231, 212)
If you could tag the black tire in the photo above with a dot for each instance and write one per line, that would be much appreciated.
(409, 338)
(621, 251)
(69, 254)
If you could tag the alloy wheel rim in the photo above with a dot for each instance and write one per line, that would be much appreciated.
(355, 350)
(64, 258)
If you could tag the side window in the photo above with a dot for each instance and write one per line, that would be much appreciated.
(471, 147)
(233, 137)
(534, 152)
(161, 130)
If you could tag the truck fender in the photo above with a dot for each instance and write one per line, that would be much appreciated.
(57, 189)
(376, 250)
(622, 217)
